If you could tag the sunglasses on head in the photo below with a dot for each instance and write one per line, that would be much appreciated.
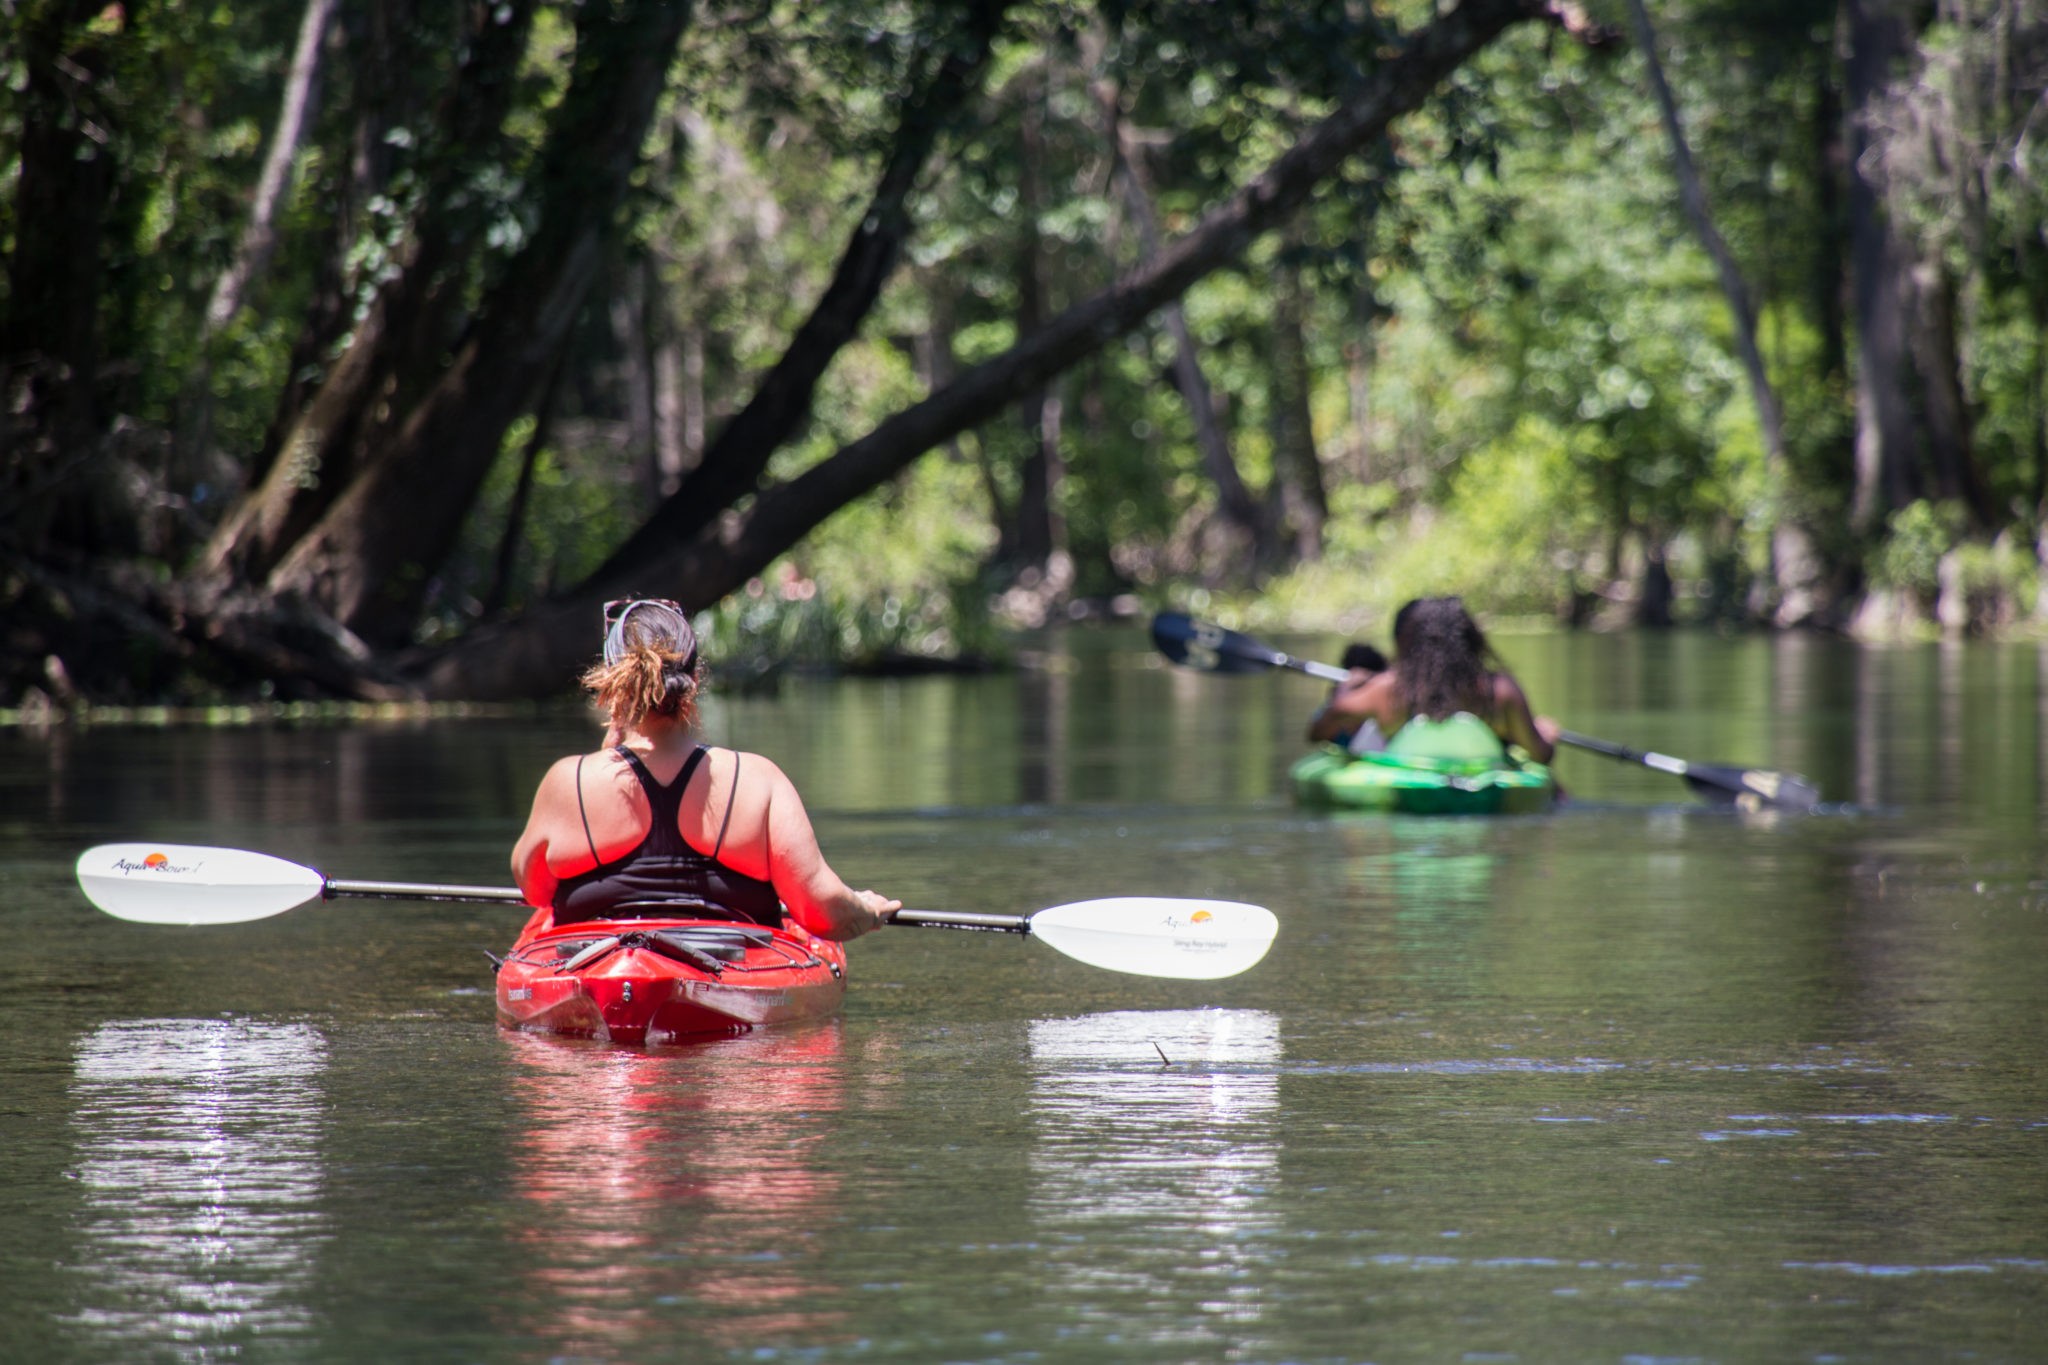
(615, 610)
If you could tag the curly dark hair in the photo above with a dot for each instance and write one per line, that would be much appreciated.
(1441, 656)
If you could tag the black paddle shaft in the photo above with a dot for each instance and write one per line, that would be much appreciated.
(1211, 648)
(962, 919)
(1716, 781)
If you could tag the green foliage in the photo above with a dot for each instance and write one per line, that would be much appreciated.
(1521, 363)
(1916, 537)
(2001, 571)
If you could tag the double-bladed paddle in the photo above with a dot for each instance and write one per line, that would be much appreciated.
(1189, 940)
(1199, 644)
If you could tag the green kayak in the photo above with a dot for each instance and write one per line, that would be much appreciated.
(1449, 767)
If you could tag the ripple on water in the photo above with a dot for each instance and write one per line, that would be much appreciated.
(1864, 1269)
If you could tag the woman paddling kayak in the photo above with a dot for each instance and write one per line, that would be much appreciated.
(1440, 673)
(657, 820)
(1361, 662)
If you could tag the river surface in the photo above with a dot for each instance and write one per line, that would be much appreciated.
(1637, 1081)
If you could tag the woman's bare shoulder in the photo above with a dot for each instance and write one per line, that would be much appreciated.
(755, 776)
(1506, 689)
(1510, 705)
(750, 763)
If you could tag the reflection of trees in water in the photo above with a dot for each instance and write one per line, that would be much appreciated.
(669, 1177)
(200, 1165)
(1150, 1180)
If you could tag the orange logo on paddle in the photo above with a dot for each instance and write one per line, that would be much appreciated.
(155, 861)
(1201, 917)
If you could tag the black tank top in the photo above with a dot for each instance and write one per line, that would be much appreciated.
(664, 876)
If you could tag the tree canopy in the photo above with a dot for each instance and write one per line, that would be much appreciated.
(361, 350)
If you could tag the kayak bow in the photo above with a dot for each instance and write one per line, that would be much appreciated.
(659, 980)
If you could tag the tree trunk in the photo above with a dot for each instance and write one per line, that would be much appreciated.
(1693, 195)
(628, 309)
(548, 642)
(1795, 568)
(370, 558)
(1302, 504)
(393, 351)
(522, 492)
(678, 402)
(259, 234)
(739, 454)
(1233, 499)
(1039, 539)
(49, 335)
(1653, 600)
(1950, 427)
(1884, 481)
(1829, 272)
(1358, 349)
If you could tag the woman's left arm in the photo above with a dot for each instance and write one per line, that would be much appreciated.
(530, 855)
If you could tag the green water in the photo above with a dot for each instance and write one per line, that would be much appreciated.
(1637, 1081)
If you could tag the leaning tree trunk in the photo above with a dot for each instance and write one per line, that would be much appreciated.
(366, 394)
(259, 233)
(549, 642)
(1240, 510)
(369, 560)
(1795, 568)
(739, 454)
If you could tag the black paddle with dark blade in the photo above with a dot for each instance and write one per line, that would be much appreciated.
(1211, 648)
(1749, 788)
(1199, 644)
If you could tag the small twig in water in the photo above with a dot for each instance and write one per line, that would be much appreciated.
(1164, 1060)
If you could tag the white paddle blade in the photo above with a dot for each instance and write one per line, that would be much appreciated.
(183, 884)
(1190, 940)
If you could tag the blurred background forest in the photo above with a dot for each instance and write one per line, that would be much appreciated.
(359, 348)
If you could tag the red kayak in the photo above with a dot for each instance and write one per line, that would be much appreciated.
(657, 980)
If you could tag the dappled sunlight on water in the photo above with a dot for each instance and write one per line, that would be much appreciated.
(1155, 1156)
(200, 1170)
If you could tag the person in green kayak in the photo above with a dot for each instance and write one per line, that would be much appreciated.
(1443, 668)
(1360, 736)
(657, 819)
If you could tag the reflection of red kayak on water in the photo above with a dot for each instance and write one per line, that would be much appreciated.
(673, 1194)
(653, 980)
